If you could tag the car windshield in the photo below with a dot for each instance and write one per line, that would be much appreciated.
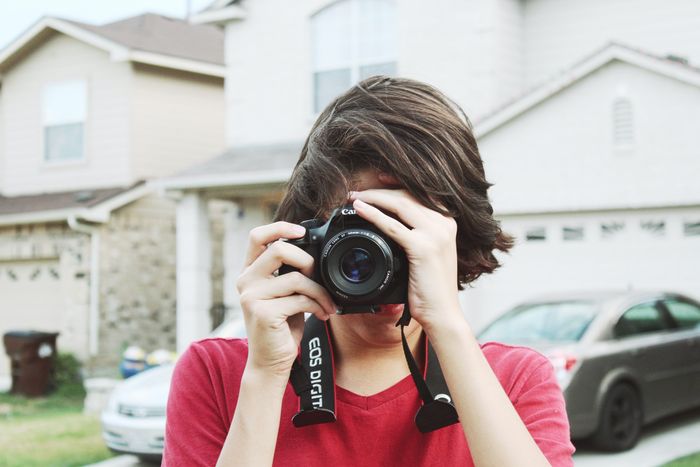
(564, 321)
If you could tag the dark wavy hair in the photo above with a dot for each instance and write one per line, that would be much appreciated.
(414, 132)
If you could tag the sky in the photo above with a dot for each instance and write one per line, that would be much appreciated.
(16, 16)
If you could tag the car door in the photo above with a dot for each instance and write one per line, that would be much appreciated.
(646, 344)
(686, 316)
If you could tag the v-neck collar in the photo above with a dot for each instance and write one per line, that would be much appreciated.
(375, 400)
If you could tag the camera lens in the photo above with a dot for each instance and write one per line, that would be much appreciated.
(357, 265)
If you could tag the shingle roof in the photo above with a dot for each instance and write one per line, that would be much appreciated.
(150, 32)
(59, 201)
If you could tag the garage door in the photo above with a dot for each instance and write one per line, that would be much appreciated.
(31, 297)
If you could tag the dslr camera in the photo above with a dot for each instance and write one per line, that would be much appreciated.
(358, 264)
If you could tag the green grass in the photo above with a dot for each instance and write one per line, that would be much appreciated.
(48, 431)
(692, 460)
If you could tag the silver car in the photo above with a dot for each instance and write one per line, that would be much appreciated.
(622, 358)
(134, 420)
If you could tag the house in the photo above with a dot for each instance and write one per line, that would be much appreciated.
(89, 114)
(503, 61)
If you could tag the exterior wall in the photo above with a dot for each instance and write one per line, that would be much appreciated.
(177, 120)
(633, 258)
(41, 250)
(137, 279)
(469, 49)
(560, 155)
(559, 33)
(106, 128)
(2, 143)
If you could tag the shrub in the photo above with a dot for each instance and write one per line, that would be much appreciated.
(68, 377)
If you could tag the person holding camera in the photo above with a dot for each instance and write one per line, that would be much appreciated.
(386, 370)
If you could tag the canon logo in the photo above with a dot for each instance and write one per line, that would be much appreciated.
(348, 212)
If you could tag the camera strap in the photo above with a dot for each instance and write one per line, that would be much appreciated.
(312, 378)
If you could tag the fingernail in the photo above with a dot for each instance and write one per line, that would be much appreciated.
(352, 194)
(299, 230)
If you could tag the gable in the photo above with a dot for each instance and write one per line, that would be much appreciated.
(148, 38)
(561, 153)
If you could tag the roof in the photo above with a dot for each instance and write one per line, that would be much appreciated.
(667, 66)
(92, 204)
(219, 12)
(147, 38)
(239, 166)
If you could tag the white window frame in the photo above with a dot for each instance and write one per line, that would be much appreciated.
(68, 162)
(355, 63)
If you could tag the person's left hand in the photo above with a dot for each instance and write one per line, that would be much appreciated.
(429, 239)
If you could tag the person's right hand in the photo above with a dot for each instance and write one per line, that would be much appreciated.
(274, 306)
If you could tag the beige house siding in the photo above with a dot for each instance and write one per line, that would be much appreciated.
(107, 122)
(178, 120)
(2, 144)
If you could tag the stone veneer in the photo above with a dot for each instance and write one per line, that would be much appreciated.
(137, 277)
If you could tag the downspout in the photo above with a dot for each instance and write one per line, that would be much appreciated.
(94, 313)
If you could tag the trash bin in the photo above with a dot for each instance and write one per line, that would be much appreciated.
(32, 354)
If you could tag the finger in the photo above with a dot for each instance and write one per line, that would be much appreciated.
(294, 283)
(277, 254)
(292, 305)
(387, 224)
(259, 237)
(398, 202)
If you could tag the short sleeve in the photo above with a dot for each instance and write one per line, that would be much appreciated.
(540, 404)
(194, 431)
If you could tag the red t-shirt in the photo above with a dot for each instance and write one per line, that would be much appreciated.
(370, 431)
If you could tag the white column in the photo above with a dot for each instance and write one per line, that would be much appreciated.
(193, 270)
(240, 219)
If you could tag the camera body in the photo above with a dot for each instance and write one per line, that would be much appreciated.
(358, 264)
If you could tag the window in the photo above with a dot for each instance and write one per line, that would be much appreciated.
(536, 234)
(691, 229)
(63, 117)
(611, 229)
(572, 233)
(640, 319)
(653, 227)
(685, 314)
(351, 40)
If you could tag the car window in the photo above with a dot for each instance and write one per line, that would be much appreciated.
(640, 319)
(542, 322)
(685, 314)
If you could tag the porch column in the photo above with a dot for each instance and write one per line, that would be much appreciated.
(240, 219)
(193, 270)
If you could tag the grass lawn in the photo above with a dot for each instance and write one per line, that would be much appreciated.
(692, 460)
(48, 431)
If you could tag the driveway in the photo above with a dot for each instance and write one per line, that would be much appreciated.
(660, 443)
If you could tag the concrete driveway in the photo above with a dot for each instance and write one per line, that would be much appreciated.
(661, 442)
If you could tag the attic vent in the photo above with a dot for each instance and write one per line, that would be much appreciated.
(623, 124)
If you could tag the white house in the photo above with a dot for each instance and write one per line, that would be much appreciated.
(564, 118)
(87, 115)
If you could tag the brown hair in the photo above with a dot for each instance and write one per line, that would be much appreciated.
(414, 132)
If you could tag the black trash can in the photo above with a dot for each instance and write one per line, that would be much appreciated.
(33, 355)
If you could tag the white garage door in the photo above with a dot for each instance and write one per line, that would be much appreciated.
(31, 297)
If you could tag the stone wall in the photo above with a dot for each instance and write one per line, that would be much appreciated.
(137, 279)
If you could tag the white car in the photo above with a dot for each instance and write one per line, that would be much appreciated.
(134, 420)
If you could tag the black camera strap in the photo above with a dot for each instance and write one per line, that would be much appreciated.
(312, 378)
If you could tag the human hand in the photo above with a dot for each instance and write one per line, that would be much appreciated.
(429, 239)
(274, 306)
